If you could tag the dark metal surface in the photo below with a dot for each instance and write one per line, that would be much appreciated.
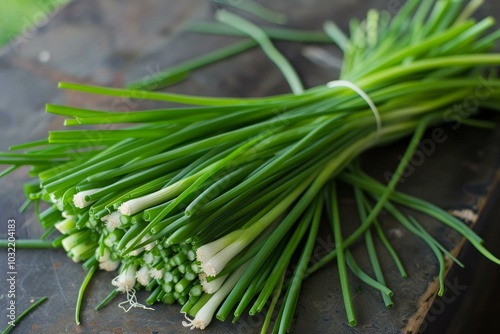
(112, 42)
(472, 306)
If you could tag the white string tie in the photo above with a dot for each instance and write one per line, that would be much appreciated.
(362, 94)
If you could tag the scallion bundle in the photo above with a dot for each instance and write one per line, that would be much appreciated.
(207, 204)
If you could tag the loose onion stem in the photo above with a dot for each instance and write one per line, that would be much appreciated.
(81, 292)
(285, 34)
(163, 79)
(108, 299)
(28, 244)
(260, 36)
(23, 314)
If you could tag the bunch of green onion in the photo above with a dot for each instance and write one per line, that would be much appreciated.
(209, 204)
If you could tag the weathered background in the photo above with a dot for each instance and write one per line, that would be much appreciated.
(113, 42)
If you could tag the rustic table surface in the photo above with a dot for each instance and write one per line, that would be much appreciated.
(113, 42)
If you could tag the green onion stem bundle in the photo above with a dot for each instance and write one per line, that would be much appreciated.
(218, 194)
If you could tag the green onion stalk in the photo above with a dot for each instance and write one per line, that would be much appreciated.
(207, 203)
